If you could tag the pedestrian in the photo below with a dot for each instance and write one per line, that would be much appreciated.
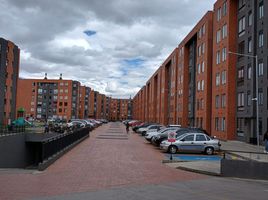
(46, 128)
(265, 139)
(127, 127)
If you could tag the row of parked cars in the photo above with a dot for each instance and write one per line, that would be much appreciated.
(187, 139)
(83, 123)
(60, 126)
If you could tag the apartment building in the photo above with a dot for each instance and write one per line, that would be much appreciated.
(114, 109)
(180, 90)
(44, 99)
(223, 123)
(221, 70)
(252, 41)
(194, 76)
(84, 104)
(9, 70)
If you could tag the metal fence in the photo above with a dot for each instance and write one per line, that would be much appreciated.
(7, 130)
(52, 146)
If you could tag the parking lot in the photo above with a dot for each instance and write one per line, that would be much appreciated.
(112, 164)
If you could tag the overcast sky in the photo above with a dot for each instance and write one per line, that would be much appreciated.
(112, 46)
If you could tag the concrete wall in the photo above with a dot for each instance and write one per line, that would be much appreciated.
(244, 169)
(13, 152)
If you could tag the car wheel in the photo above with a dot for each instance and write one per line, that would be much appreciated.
(209, 151)
(172, 149)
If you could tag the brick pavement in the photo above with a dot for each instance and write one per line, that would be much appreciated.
(109, 158)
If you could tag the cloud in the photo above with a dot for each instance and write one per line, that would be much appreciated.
(113, 46)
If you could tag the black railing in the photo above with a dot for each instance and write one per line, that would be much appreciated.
(54, 145)
(7, 130)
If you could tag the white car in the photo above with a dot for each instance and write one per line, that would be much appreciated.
(143, 131)
(192, 143)
(150, 135)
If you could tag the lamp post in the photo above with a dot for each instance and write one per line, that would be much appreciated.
(257, 92)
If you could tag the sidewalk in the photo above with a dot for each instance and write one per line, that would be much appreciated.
(214, 167)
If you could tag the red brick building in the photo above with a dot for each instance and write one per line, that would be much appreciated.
(196, 84)
(48, 98)
(223, 105)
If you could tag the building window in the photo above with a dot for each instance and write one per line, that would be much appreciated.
(260, 96)
(218, 79)
(240, 101)
(218, 57)
(202, 85)
(250, 19)
(219, 14)
(224, 8)
(223, 77)
(249, 72)
(199, 68)
(218, 36)
(203, 67)
(216, 123)
(260, 68)
(241, 48)
(249, 98)
(203, 48)
(223, 124)
(204, 29)
(261, 13)
(249, 45)
(224, 54)
(241, 73)
(261, 39)
(217, 101)
(241, 26)
(223, 101)
(224, 31)
(198, 86)
(199, 50)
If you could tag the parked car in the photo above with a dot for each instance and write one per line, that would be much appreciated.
(134, 123)
(143, 131)
(151, 134)
(144, 125)
(75, 125)
(174, 125)
(180, 131)
(192, 143)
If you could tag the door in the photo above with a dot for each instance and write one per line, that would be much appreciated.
(200, 142)
(186, 144)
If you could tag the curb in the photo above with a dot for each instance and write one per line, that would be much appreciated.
(199, 171)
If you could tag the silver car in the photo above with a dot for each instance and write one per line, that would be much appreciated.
(192, 142)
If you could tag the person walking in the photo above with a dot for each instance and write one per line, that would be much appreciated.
(127, 127)
(265, 139)
(46, 127)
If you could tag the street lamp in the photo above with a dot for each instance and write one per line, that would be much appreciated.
(257, 92)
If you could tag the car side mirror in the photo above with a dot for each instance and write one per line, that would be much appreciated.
(182, 140)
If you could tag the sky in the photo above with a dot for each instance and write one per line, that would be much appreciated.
(112, 46)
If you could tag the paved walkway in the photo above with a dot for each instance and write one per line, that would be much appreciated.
(109, 158)
(113, 165)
